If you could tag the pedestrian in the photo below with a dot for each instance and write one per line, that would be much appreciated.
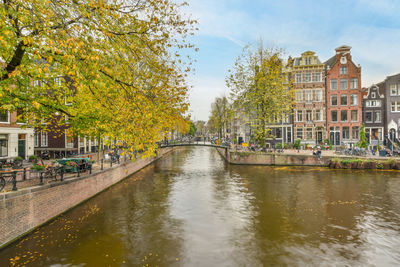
(319, 152)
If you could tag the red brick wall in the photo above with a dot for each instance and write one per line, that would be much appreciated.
(24, 210)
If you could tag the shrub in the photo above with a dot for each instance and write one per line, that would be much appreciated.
(297, 143)
(32, 157)
(18, 159)
(38, 166)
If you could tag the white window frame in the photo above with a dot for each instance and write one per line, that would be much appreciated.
(343, 70)
(354, 81)
(347, 81)
(319, 95)
(44, 139)
(347, 100)
(299, 112)
(351, 118)
(298, 78)
(36, 139)
(351, 100)
(308, 77)
(8, 118)
(318, 115)
(336, 81)
(375, 113)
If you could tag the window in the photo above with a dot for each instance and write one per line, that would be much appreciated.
(4, 116)
(333, 84)
(393, 90)
(299, 115)
(368, 116)
(333, 100)
(354, 115)
(343, 116)
(354, 100)
(343, 100)
(308, 96)
(354, 83)
(343, 70)
(343, 84)
(318, 115)
(309, 115)
(373, 103)
(298, 77)
(299, 133)
(377, 116)
(309, 134)
(395, 106)
(36, 139)
(37, 83)
(373, 95)
(355, 132)
(334, 116)
(3, 145)
(307, 77)
(346, 132)
(44, 139)
(299, 95)
(318, 95)
(317, 77)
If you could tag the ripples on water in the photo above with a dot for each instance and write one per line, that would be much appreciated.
(192, 209)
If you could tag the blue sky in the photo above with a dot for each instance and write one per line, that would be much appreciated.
(370, 27)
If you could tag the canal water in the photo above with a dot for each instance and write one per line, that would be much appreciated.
(192, 209)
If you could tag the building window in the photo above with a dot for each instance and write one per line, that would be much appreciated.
(298, 77)
(44, 139)
(309, 115)
(309, 134)
(368, 116)
(299, 95)
(343, 70)
(395, 106)
(334, 116)
(4, 116)
(333, 100)
(333, 84)
(36, 139)
(307, 77)
(343, 100)
(37, 83)
(354, 100)
(299, 133)
(343, 116)
(377, 116)
(318, 115)
(343, 84)
(393, 90)
(346, 132)
(3, 145)
(299, 115)
(57, 81)
(308, 96)
(318, 95)
(317, 77)
(307, 61)
(373, 95)
(355, 132)
(354, 83)
(354, 115)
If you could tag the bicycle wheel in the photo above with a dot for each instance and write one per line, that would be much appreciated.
(2, 183)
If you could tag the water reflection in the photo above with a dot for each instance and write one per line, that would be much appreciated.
(192, 209)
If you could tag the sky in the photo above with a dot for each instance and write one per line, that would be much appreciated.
(370, 27)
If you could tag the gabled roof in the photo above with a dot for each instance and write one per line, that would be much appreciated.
(330, 62)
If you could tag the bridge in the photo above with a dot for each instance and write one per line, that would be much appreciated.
(208, 144)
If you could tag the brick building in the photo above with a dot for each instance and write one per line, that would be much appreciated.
(309, 110)
(14, 139)
(344, 107)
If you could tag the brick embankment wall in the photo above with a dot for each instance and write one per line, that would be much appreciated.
(257, 158)
(28, 208)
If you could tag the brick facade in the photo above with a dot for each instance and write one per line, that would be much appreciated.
(344, 98)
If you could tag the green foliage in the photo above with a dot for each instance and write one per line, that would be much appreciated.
(297, 144)
(363, 139)
(192, 129)
(18, 159)
(32, 157)
(279, 146)
(221, 115)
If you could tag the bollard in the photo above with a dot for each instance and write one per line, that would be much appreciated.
(111, 163)
(62, 173)
(79, 173)
(101, 164)
(41, 179)
(24, 173)
(118, 160)
(90, 169)
(14, 181)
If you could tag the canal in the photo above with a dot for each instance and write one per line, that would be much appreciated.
(192, 209)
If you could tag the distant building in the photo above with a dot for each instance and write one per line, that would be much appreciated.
(309, 110)
(373, 104)
(14, 139)
(344, 107)
(392, 125)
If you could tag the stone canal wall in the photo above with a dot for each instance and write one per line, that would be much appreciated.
(258, 158)
(28, 208)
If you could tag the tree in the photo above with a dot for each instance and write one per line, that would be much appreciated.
(363, 139)
(261, 87)
(221, 115)
(192, 129)
(116, 63)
